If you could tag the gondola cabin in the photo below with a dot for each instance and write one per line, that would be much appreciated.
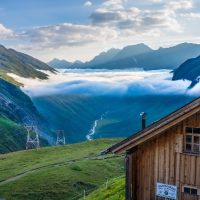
(166, 153)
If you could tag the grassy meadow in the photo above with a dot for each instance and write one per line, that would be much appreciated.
(58, 172)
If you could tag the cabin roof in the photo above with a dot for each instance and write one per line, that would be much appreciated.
(157, 127)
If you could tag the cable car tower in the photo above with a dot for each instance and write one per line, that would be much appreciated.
(60, 137)
(32, 141)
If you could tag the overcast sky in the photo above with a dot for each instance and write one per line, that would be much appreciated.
(79, 30)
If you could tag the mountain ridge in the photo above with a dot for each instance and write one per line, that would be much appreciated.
(142, 56)
(15, 62)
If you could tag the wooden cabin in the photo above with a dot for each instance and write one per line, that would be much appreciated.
(166, 152)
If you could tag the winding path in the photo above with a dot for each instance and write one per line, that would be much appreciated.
(57, 165)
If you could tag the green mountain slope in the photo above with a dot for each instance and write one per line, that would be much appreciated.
(114, 116)
(33, 62)
(21, 64)
(58, 172)
(16, 111)
(73, 113)
(115, 190)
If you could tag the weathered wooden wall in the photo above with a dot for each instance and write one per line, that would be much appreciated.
(161, 159)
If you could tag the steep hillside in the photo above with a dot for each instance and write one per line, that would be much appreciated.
(33, 62)
(17, 110)
(132, 50)
(58, 172)
(115, 190)
(11, 63)
(189, 70)
(73, 113)
(81, 116)
(101, 58)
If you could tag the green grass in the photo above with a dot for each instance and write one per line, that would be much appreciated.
(81, 168)
(23, 161)
(115, 190)
(12, 136)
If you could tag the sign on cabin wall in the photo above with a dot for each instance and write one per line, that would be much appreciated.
(165, 190)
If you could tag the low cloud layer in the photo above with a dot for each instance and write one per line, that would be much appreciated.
(107, 82)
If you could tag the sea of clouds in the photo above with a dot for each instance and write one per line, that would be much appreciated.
(107, 82)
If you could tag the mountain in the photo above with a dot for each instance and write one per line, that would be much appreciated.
(132, 50)
(102, 58)
(59, 64)
(144, 57)
(78, 62)
(21, 64)
(33, 62)
(168, 58)
(17, 111)
(189, 70)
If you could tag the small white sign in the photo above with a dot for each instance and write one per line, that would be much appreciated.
(166, 190)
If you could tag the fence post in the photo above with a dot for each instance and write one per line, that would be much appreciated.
(106, 183)
(84, 194)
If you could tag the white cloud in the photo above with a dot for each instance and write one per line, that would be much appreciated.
(111, 3)
(156, 1)
(133, 11)
(68, 35)
(117, 7)
(147, 21)
(103, 17)
(6, 34)
(191, 15)
(182, 4)
(88, 3)
(105, 82)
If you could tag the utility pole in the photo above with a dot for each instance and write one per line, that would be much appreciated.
(32, 141)
(60, 137)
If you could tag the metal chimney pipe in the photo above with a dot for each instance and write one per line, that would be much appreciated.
(143, 115)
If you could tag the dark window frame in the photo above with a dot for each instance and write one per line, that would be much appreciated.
(192, 146)
(190, 190)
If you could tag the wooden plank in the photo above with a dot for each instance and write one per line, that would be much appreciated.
(187, 169)
(192, 169)
(146, 169)
(134, 175)
(156, 169)
(152, 161)
(197, 180)
(182, 168)
(131, 173)
(142, 173)
(138, 174)
(161, 159)
(170, 157)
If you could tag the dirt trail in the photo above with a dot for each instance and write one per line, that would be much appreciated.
(56, 165)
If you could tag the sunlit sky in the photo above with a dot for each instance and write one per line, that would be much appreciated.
(79, 30)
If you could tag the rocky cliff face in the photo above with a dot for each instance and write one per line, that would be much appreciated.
(17, 111)
(189, 70)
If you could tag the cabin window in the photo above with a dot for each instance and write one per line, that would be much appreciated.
(190, 190)
(192, 139)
